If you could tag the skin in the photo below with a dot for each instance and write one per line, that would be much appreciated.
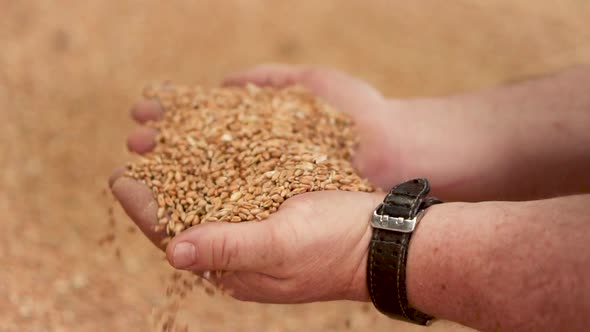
(493, 265)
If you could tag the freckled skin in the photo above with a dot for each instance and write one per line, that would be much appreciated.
(504, 269)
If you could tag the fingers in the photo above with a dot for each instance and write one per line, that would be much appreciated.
(136, 198)
(138, 202)
(142, 140)
(248, 246)
(147, 110)
(339, 89)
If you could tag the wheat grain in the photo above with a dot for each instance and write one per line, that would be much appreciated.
(236, 154)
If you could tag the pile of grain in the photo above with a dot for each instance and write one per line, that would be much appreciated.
(235, 154)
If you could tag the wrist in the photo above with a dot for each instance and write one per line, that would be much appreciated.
(413, 125)
(394, 221)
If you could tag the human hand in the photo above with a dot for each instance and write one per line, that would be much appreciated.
(376, 157)
(314, 248)
(399, 139)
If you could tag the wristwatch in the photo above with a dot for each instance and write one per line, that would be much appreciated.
(393, 222)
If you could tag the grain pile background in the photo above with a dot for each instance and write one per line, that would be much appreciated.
(69, 70)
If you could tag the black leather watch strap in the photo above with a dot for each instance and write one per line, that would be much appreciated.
(386, 268)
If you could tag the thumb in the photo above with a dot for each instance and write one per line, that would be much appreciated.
(248, 246)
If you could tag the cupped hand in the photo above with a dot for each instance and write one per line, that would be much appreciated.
(315, 246)
(378, 154)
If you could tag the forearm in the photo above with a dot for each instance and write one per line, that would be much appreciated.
(524, 141)
(502, 266)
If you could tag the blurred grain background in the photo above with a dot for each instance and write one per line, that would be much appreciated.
(70, 69)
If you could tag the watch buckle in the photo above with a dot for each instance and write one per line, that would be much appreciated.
(398, 224)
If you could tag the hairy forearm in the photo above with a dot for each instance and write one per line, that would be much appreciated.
(524, 141)
(502, 266)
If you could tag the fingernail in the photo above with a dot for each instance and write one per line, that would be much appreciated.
(184, 255)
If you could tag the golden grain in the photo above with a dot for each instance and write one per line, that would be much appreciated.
(235, 154)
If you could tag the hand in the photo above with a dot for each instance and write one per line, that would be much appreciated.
(314, 248)
(439, 138)
(377, 156)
